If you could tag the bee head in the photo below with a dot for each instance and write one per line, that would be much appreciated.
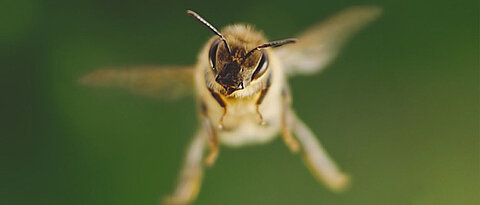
(237, 58)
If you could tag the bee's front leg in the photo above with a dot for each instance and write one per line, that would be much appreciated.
(190, 178)
(260, 98)
(222, 104)
(317, 159)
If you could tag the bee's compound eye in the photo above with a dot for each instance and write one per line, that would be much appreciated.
(261, 67)
(212, 55)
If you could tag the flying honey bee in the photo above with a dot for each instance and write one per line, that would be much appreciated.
(241, 89)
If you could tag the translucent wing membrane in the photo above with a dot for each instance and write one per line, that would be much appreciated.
(168, 82)
(319, 44)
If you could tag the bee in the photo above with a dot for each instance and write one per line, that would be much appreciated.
(242, 93)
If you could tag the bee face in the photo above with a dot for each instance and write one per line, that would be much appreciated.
(236, 65)
(237, 57)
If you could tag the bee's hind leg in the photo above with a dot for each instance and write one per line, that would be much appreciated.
(190, 178)
(316, 157)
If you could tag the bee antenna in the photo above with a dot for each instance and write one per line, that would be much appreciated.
(271, 44)
(208, 25)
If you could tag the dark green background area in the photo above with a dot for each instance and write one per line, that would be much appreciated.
(398, 110)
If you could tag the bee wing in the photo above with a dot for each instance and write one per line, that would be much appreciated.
(319, 44)
(169, 82)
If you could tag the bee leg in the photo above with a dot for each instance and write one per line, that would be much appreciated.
(316, 158)
(220, 122)
(211, 135)
(260, 116)
(287, 135)
(259, 101)
(222, 104)
(190, 178)
(213, 143)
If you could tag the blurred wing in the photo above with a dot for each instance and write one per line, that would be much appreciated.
(161, 82)
(319, 45)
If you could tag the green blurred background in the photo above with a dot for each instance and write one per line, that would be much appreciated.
(398, 110)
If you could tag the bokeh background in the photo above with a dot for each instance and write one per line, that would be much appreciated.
(398, 110)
